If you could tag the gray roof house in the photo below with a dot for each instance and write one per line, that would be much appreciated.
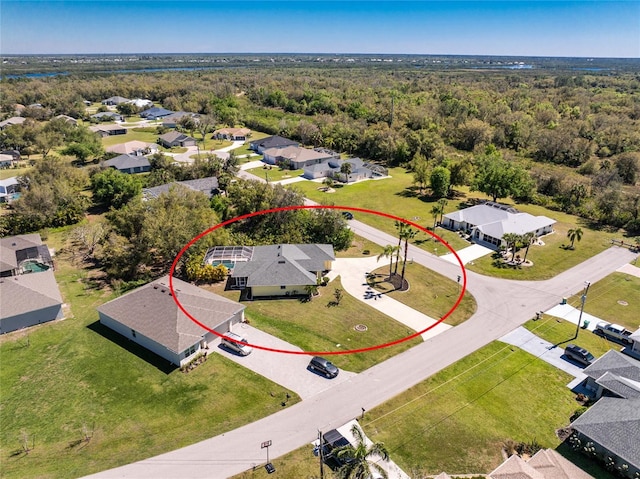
(150, 317)
(155, 113)
(129, 164)
(360, 170)
(271, 142)
(208, 186)
(175, 138)
(115, 100)
(275, 270)
(14, 120)
(613, 374)
(173, 120)
(107, 115)
(108, 129)
(23, 254)
(487, 223)
(68, 119)
(612, 426)
(295, 157)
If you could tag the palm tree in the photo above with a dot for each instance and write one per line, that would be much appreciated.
(389, 251)
(435, 212)
(574, 234)
(409, 233)
(401, 227)
(311, 290)
(527, 239)
(359, 457)
(511, 239)
(346, 168)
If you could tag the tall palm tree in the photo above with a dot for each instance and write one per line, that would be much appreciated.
(574, 234)
(511, 239)
(435, 212)
(527, 239)
(359, 457)
(346, 168)
(442, 202)
(401, 227)
(409, 233)
(389, 251)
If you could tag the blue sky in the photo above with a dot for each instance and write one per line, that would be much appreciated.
(542, 28)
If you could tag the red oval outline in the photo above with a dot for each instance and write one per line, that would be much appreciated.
(310, 207)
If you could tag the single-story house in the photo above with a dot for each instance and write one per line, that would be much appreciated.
(150, 317)
(7, 161)
(68, 119)
(271, 142)
(544, 464)
(140, 103)
(115, 100)
(8, 189)
(232, 134)
(175, 138)
(295, 157)
(208, 186)
(274, 270)
(134, 148)
(35, 299)
(108, 116)
(129, 164)
(360, 170)
(612, 428)
(14, 120)
(23, 254)
(15, 154)
(613, 374)
(108, 130)
(488, 222)
(173, 120)
(633, 349)
(155, 113)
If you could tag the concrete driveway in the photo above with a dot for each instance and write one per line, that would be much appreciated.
(468, 254)
(288, 370)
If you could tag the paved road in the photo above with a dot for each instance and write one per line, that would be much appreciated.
(502, 306)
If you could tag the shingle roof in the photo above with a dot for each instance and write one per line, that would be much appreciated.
(130, 147)
(273, 142)
(515, 468)
(232, 131)
(124, 162)
(613, 423)
(151, 311)
(11, 244)
(616, 372)
(204, 185)
(28, 292)
(156, 111)
(296, 153)
(284, 265)
(108, 114)
(553, 466)
(172, 136)
(117, 99)
(14, 120)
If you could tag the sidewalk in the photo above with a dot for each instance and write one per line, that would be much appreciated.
(571, 314)
(353, 275)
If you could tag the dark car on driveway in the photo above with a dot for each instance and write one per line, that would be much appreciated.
(347, 215)
(578, 354)
(323, 366)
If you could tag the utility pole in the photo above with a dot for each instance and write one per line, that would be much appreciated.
(320, 448)
(583, 299)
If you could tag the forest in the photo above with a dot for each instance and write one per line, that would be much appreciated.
(565, 139)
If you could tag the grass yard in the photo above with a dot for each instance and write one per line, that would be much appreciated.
(318, 326)
(132, 134)
(457, 420)
(275, 173)
(606, 300)
(63, 379)
(360, 247)
(11, 172)
(558, 331)
(429, 292)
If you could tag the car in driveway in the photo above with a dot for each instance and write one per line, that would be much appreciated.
(323, 366)
(578, 354)
(233, 342)
(347, 215)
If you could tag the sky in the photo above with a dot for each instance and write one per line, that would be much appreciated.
(518, 28)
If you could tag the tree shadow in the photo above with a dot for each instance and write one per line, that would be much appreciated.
(409, 192)
(134, 348)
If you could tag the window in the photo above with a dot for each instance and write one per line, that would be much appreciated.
(133, 333)
(283, 287)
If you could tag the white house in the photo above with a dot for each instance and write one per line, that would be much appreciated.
(150, 317)
(489, 222)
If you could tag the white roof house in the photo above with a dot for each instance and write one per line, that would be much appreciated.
(489, 222)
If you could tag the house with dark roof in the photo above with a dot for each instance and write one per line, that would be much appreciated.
(488, 222)
(175, 138)
(27, 284)
(155, 113)
(173, 120)
(613, 374)
(232, 134)
(108, 129)
(107, 116)
(150, 317)
(115, 100)
(207, 186)
(129, 164)
(360, 170)
(296, 157)
(259, 146)
(274, 270)
(544, 464)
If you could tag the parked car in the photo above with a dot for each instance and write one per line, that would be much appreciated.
(232, 341)
(323, 366)
(578, 354)
(347, 215)
(613, 331)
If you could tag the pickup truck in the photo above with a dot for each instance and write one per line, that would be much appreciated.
(613, 331)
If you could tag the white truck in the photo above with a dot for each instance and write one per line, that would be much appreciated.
(613, 331)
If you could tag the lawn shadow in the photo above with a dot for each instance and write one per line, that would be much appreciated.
(134, 348)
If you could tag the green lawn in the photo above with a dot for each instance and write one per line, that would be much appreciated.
(60, 378)
(457, 420)
(11, 172)
(275, 173)
(429, 292)
(319, 326)
(360, 247)
(558, 331)
(132, 134)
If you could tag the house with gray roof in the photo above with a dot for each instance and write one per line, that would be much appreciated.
(296, 157)
(488, 222)
(107, 116)
(108, 129)
(175, 138)
(27, 284)
(115, 100)
(208, 186)
(155, 113)
(68, 119)
(633, 349)
(14, 120)
(613, 374)
(129, 164)
(173, 120)
(274, 270)
(259, 146)
(150, 317)
(360, 170)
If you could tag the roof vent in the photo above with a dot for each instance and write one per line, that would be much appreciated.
(281, 261)
(155, 286)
